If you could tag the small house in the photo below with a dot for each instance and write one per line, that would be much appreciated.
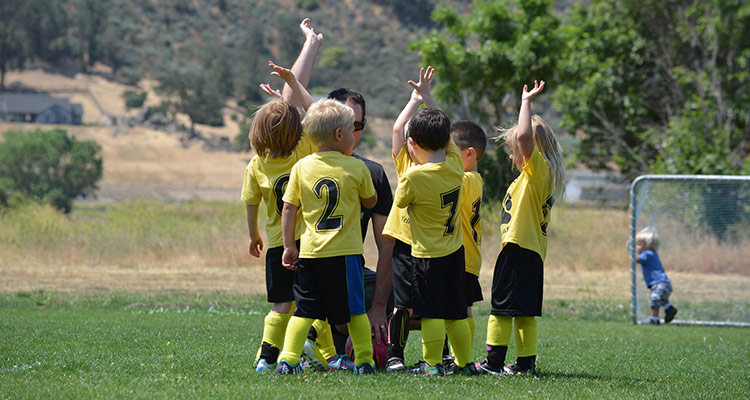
(39, 108)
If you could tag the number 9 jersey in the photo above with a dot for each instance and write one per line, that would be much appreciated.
(266, 179)
(327, 187)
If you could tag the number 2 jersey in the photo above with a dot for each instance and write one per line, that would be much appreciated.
(432, 192)
(327, 187)
(266, 179)
(527, 206)
(471, 220)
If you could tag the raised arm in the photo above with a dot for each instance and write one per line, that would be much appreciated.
(302, 67)
(420, 94)
(291, 80)
(524, 135)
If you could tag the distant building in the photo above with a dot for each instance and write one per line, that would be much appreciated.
(39, 108)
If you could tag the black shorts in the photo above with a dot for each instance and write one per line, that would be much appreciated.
(517, 282)
(330, 287)
(279, 280)
(473, 290)
(439, 286)
(403, 275)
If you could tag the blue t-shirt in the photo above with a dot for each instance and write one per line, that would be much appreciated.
(653, 272)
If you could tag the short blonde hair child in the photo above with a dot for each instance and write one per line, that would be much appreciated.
(276, 129)
(649, 238)
(545, 141)
(324, 117)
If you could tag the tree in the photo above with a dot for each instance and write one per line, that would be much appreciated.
(658, 86)
(48, 166)
(482, 61)
(200, 99)
(14, 45)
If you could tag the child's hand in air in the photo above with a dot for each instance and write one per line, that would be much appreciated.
(528, 95)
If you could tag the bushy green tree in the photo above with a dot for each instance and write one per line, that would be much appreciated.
(48, 166)
(200, 99)
(482, 61)
(659, 86)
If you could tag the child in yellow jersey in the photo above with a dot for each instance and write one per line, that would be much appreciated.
(518, 277)
(327, 187)
(431, 190)
(471, 141)
(277, 137)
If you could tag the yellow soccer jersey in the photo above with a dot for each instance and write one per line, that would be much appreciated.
(327, 187)
(527, 206)
(266, 179)
(397, 224)
(471, 220)
(432, 191)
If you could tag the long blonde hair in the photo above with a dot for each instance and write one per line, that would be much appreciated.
(545, 141)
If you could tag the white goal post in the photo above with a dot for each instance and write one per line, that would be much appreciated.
(704, 225)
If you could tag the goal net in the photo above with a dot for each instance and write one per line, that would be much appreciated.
(703, 222)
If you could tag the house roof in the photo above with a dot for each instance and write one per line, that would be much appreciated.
(32, 103)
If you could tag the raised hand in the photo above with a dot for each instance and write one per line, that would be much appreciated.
(425, 79)
(275, 93)
(528, 95)
(309, 32)
(284, 73)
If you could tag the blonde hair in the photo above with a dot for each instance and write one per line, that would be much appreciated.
(324, 117)
(545, 141)
(276, 129)
(649, 238)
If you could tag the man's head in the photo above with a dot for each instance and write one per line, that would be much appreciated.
(357, 103)
(471, 140)
(430, 129)
(330, 123)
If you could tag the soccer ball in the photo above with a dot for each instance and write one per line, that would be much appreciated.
(378, 352)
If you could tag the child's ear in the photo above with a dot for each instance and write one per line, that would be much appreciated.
(337, 134)
(471, 152)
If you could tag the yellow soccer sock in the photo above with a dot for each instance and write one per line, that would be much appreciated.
(325, 339)
(359, 331)
(526, 336)
(294, 341)
(433, 337)
(499, 328)
(472, 327)
(275, 329)
(459, 336)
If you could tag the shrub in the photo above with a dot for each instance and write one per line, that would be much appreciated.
(48, 167)
(134, 98)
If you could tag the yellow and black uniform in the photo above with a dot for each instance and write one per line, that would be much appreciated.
(432, 193)
(518, 277)
(471, 226)
(327, 187)
(397, 226)
(265, 180)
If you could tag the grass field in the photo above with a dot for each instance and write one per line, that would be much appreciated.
(169, 345)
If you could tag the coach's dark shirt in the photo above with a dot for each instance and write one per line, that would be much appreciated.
(382, 188)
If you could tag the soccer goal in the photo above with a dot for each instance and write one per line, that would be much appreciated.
(704, 225)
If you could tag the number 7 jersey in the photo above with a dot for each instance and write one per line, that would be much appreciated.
(432, 191)
(327, 187)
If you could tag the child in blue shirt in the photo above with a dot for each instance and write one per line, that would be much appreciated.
(646, 244)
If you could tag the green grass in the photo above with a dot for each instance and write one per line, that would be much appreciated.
(169, 345)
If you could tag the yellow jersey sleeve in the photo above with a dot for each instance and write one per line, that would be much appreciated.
(397, 226)
(251, 192)
(471, 221)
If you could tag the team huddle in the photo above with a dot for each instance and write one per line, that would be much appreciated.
(320, 198)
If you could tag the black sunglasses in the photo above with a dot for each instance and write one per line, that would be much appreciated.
(359, 125)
